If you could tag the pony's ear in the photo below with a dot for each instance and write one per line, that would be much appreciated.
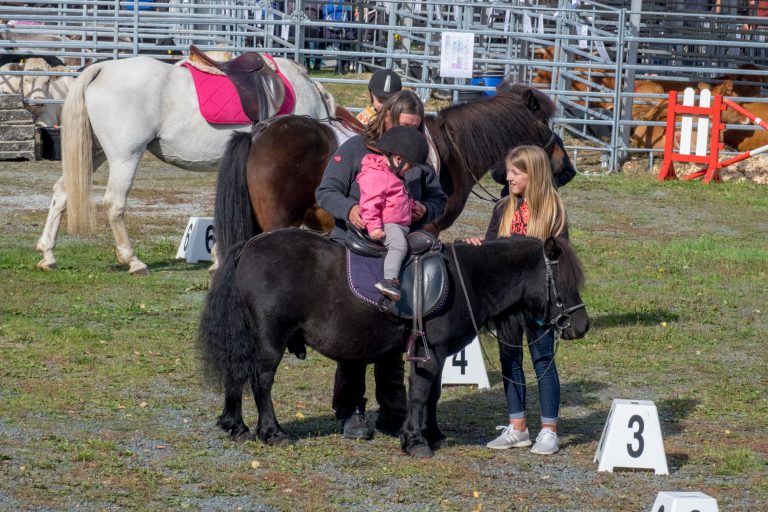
(552, 248)
(531, 101)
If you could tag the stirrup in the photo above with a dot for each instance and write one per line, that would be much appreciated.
(409, 347)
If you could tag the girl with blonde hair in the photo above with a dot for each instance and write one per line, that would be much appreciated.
(533, 208)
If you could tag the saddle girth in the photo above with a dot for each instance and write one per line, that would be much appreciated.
(260, 88)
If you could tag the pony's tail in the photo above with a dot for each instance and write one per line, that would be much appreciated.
(77, 155)
(225, 340)
(233, 216)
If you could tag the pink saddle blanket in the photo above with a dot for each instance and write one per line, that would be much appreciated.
(219, 102)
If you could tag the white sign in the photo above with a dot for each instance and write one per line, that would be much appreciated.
(467, 367)
(197, 241)
(684, 502)
(632, 438)
(457, 50)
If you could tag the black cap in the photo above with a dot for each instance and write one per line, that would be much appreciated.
(384, 83)
(405, 141)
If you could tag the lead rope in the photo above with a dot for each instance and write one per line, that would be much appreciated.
(477, 331)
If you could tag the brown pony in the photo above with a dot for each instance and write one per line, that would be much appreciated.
(272, 184)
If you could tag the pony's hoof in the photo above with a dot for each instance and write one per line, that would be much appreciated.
(45, 265)
(241, 435)
(435, 438)
(415, 446)
(421, 451)
(277, 439)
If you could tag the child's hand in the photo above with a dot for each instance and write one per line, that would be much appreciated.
(473, 241)
(377, 234)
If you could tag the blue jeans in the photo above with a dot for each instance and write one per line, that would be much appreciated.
(543, 357)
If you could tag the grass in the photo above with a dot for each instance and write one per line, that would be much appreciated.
(102, 405)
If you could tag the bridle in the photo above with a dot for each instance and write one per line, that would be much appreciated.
(561, 319)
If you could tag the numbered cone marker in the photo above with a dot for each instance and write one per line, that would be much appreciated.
(632, 438)
(197, 242)
(467, 367)
(684, 502)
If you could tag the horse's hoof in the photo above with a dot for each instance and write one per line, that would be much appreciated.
(277, 439)
(139, 270)
(44, 265)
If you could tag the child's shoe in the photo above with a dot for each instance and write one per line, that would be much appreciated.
(510, 438)
(390, 288)
(547, 443)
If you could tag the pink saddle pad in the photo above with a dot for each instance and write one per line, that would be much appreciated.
(217, 98)
(219, 102)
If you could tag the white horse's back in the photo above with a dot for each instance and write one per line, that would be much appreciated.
(129, 106)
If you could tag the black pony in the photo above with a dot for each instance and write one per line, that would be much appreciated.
(288, 288)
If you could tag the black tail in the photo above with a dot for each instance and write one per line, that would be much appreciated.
(233, 217)
(225, 341)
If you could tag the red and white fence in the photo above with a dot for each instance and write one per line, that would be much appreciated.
(708, 146)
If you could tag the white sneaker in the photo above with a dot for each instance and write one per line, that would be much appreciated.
(547, 443)
(510, 438)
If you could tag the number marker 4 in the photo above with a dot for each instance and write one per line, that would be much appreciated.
(466, 367)
(632, 438)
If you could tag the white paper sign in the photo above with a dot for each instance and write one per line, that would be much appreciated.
(527, 25)
(457, 54)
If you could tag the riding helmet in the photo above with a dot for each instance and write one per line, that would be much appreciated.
(384, 83)
(405, 141)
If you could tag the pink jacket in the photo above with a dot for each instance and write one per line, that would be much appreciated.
(383, 198)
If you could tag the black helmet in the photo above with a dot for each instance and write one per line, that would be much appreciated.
(405, 141)
(384, 83)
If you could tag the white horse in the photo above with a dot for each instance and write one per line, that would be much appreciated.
(132, 105)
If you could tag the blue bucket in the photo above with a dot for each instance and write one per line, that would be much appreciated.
(487, 81)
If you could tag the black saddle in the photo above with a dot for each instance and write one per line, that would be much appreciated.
(424, 260)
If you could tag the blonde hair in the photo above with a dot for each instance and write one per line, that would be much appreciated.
(545, 206)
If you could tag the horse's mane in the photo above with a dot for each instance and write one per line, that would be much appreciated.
(486, 129)
(570, 275)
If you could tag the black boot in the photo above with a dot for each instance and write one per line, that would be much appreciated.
(355, 426)
(390, 288)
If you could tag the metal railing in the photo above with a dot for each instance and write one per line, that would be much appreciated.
(600, 50)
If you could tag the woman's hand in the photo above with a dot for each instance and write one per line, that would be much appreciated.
(474, 241)
(354, 217)
(377, 234)
(418, 210)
